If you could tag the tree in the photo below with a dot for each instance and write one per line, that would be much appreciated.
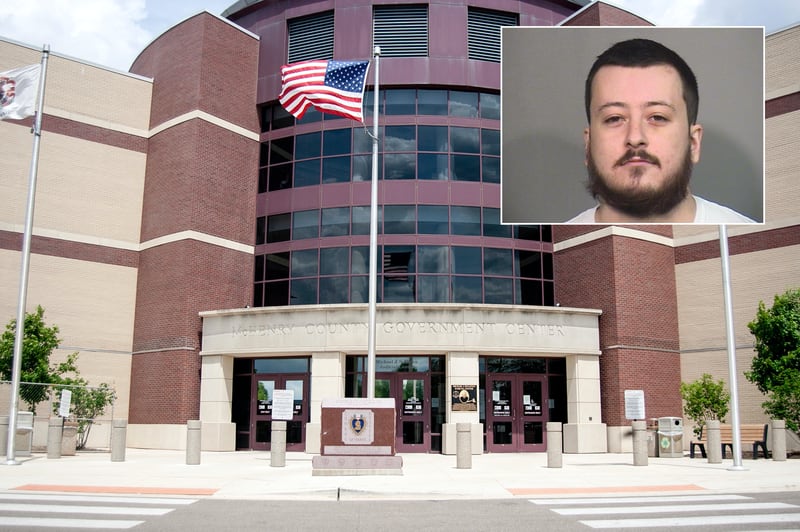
(704, 399)
(87, 403)
(775, 369)
(38, 343)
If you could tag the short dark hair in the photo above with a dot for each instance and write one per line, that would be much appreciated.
(645, 53)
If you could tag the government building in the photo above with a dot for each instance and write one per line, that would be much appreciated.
(201, 248)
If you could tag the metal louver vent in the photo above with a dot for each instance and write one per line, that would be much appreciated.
(311, 37)
(401, 31)
(483, 33)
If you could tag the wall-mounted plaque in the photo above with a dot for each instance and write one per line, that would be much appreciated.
(464, 397)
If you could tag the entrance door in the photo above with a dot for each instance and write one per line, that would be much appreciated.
(413, 406)
(261, 418)
(516, 412)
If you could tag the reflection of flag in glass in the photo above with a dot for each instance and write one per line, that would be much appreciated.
(395, 265)
(335, 87)
(18, 90)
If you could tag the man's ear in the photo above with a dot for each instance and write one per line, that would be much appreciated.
(586, 139)
(695, 139)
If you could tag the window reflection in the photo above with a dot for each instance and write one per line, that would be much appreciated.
(304, 263)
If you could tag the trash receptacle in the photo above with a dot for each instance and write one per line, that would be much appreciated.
(670, 437)
(652, 438)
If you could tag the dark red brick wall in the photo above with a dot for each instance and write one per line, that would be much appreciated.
(600, 14)
(200, 177)
(633, 282)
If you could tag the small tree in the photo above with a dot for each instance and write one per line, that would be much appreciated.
(775, 369)
(704, 399)
(87, 404)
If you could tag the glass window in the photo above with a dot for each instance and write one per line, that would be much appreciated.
(277, 266)
(337, 141)
(432, 166)
(434, 259)
(362, 143)
(278, 228)
(259, 268)
(281, 365)
(333, 261)
(433, 289)
(261, 229)
(466, 259)
(528, 292)
(464, 103)
(276, 294)
(281, 117)
(547, 265)
(308, 145)
(490, 106)
(336, 221)
(281, 150)
(433, 220)
(465, 167)
(362, 167)
(398, 261)
(333, 290)
(400, 138)
(497, 261)
(490, 141)
(433, 138)
(305, 262)
(280, 177)
(311, 116)
(432, 102)
(466, 289)
(361, 220)
(465, 220)
(359, 289)
(401, 102)
(304, 292)
(465, 139)
(400, 166)
(359, 259)
(527, 232)
(398, 289)
(305, 224)
(306, 173)
(263, 154)
(336, 169)
(499, 291)
(490, 169)
(262, 180)
(399, 219)
(529, 264)
(491, 224)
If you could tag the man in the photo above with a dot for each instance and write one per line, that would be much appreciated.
(643, 139)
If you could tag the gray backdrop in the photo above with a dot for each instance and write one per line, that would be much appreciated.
(543, 117)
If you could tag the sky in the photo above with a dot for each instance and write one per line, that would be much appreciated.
(112, 33)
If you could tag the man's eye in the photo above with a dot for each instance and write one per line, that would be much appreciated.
(659, 118)
(611, 120)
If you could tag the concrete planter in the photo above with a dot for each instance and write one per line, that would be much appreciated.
(69, 438)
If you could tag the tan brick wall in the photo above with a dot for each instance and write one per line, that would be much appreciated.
(782, 58)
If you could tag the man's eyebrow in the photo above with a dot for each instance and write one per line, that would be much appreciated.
(652, 103)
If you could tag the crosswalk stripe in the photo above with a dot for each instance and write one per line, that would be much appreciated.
(96, 498)
(627, 500)
(61, 524)
(707, 520)
(684, 508)
(74, 509)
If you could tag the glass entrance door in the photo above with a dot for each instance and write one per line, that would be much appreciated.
(262, 395)
(411, 394)
(515, 412)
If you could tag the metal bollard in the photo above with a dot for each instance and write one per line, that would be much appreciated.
(639, 443)
(464, 445)
(779, 440)
(714, 440)
(119, 429)
(278, 444)
(3, 435)
(54, 430)
(555, 444)
(193, 438)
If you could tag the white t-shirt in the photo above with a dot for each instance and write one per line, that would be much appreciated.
(707, 212)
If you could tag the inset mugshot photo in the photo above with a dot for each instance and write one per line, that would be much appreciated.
(641, 125)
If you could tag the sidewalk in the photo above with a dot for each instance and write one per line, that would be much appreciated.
(248, 475)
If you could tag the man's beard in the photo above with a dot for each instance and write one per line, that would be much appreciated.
(641, 203)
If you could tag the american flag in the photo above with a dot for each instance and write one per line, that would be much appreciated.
(330, 86)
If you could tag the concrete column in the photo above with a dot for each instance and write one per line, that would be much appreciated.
(464, 445)
(193, 436)
(54, 428)
(640, 443)
(713, 442)
(278, 444)
(778, 440)
(554, 444)
(119, 428)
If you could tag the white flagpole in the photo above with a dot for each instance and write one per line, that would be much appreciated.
(732, 373)
(373, 235)
(23, 278)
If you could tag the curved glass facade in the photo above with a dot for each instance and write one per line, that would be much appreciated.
(440, 237)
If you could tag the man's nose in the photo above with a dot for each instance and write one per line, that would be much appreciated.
(636, 136)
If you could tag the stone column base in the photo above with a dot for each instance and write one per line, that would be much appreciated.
(449, 437)
(585, 438)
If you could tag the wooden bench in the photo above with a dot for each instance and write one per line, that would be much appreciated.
(753, 433)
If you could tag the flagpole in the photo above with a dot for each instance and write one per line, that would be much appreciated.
(26, 255)
(373, 236)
